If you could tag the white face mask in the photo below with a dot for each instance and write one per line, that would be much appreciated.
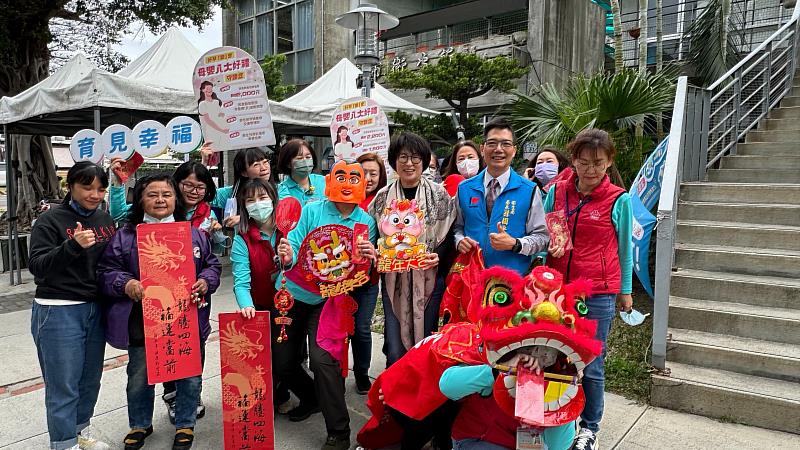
(431, 174)
(468, 167)
(150, 219)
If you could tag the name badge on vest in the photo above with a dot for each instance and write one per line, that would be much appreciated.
(529, 439)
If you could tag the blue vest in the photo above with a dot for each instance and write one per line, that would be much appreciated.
(512, 204)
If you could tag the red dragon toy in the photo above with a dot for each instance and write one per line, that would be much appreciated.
(535, 315)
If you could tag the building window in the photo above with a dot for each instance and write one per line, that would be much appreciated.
(268, 27)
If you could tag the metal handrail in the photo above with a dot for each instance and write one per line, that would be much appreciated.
(694, 136)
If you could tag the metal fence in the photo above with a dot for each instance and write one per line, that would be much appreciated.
(707, 124)
(753, 21)
(462, 33)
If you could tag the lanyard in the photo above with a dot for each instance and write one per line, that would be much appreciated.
(571, 212)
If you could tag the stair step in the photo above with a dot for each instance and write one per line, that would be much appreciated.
(746, 399)
(769, 148)
(740, 193)
(785, 112)
(777, 176)
(702, 232)
(766, 214)
(774, 292)
(736, 319)
(774, 135)
(780, 124)
(757, 357)
(790, 101)
(747, 260)
(761, 162)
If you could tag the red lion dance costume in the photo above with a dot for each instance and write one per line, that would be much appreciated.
(535, 315)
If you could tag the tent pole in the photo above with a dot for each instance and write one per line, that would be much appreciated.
(16, 263)
(8, 202)
(97, 119)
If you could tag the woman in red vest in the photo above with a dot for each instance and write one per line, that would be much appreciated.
(255, 266)
(599, 221)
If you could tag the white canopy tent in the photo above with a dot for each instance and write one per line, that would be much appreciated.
(156, 85)
(338, 84)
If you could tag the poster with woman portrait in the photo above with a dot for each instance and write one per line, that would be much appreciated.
(359, 126)
(232, 100)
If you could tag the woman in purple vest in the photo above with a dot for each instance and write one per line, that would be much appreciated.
(599, 219)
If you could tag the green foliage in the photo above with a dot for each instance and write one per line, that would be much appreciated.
(612, 102)
(25, 29)
(438, 130)
(459, 77)
(712, 37)
(627, 363)
(272, 65)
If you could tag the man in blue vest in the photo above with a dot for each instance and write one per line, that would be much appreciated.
(499, 210)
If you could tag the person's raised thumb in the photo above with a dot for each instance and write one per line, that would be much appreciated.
(500, 227)
(79, 228)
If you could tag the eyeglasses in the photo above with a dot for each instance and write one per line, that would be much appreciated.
(584, 165)
(188, 187)
(505, 145)
(403, 158)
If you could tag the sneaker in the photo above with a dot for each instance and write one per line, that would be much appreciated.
(201, 409)
(337, 442)
(169, 400)
(585, 440)
(286, 407)
(363, 383)
(87, 441)
(303, 412)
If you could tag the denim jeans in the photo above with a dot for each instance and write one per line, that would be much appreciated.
(70, 345)
(601, 308)
(475, 444)
(141, 394)
(366, 296)
(391, 327)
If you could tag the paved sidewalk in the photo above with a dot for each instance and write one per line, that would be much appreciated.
(19, 297)
(627, 426)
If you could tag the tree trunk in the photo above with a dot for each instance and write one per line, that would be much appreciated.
(619, 63)
(31, 156)
(463, 106)
(642, 53)
(659, 59)
(726, 16)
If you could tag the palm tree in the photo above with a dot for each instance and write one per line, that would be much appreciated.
(617, 18)
(713, 48)
(613, 102)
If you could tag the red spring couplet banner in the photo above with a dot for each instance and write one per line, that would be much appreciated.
(246, 373)
(167, 273)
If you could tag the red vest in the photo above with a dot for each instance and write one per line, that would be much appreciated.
(595, 254)
(481, 418)
(262, 266)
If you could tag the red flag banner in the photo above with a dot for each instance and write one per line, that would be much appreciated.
(246, 373)
(167, 273)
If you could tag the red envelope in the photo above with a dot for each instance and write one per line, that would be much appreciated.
(529, 405)
(558, 228)
(360, 233)
(127, 168)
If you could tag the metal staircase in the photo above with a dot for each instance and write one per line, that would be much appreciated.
(727, 308)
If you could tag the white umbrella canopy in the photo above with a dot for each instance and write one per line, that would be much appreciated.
(339, 83)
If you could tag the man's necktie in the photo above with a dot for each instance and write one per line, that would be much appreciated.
(491, 195)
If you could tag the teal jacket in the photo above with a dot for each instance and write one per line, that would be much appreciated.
(289, 188)
(240, 266)
(315, 215)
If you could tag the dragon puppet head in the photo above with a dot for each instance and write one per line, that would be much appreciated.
(539, 316)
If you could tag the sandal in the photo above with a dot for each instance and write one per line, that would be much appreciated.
(184, 437)
(134, 440)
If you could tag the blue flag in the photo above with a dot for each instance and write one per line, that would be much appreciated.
(645, 191)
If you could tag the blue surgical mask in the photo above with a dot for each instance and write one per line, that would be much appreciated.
(633, 317)
(545, 172)
(260, 211)
(302, 167)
